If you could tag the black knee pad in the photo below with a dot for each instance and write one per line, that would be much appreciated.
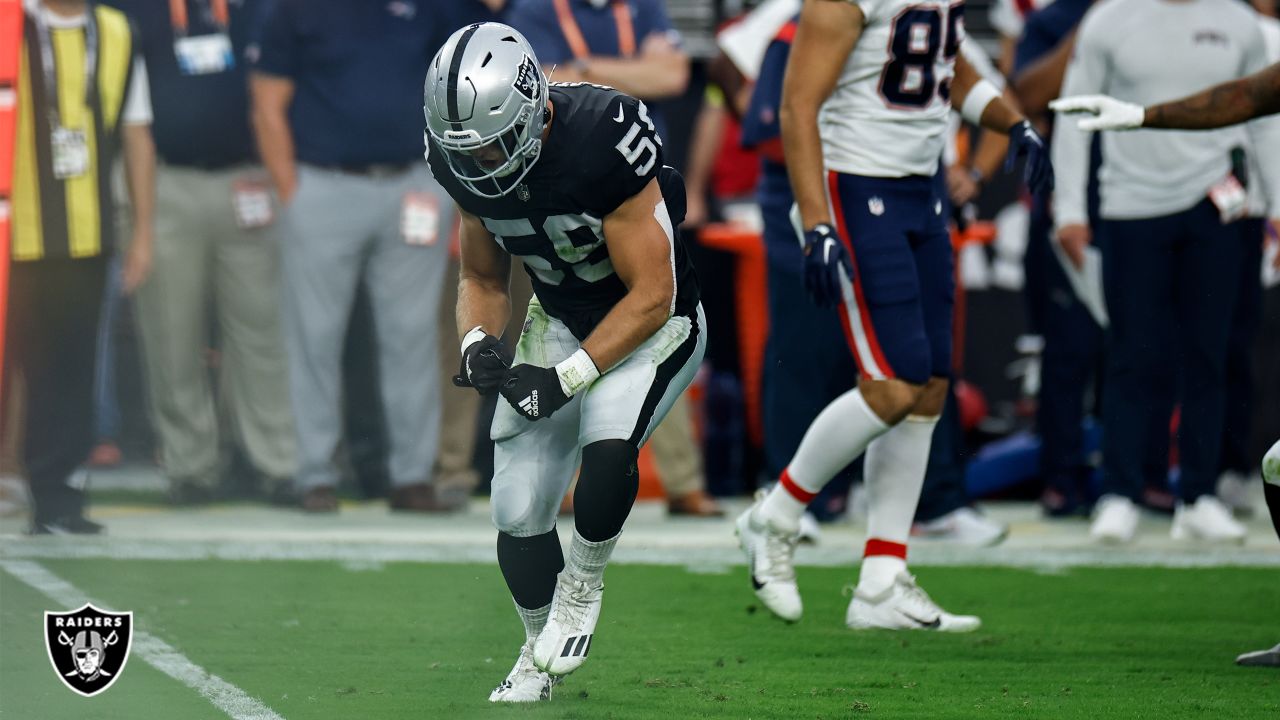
(610, 457)
(607, 488)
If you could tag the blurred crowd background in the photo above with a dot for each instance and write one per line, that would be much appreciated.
(293, 339)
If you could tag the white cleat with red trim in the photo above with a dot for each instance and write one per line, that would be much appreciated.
(769, 552)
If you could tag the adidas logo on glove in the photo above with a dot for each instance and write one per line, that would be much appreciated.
(530, 404)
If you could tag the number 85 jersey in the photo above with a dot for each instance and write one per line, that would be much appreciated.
(601, 151)
(887, 116)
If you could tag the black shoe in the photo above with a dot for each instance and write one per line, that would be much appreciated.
(65, 525)
(280, 492)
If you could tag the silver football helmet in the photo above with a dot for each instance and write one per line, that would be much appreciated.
(486, 107)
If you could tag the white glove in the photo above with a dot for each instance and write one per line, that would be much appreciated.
(1109, 113)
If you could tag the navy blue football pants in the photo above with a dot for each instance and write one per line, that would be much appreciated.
(1171, 289)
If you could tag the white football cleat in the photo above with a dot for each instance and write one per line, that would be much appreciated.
(525, 683)
(1115, 520)
(964, 526)
(904, 606)
(1206, 519)
(1261, 658)
(1233, 490)
(564, 642)
(769, 562)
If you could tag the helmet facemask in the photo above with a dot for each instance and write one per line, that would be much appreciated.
(492, 167)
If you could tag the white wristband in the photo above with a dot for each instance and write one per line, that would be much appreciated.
(576, 372)
(979, 97)
(474, 335)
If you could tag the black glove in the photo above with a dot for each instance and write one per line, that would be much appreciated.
(534, 391)
(1037, 173)
(824, 256)
(484, 365)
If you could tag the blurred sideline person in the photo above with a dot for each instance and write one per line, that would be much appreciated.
(332, 86)
(82, 98)
(1222, 105)
(568, 178)
(628, 45)
(1169, 206)
(213, 244)
(878, 248)
(1071, 360)
(1009, 18)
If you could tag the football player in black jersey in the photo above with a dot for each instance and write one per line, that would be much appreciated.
(569, 179)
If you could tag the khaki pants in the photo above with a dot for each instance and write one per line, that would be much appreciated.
(675, 452)
(203, 257)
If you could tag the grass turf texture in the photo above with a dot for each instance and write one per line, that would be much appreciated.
(319, 640)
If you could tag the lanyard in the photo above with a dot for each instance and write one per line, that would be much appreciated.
(49, 63)
(578, 44)
(213, 9)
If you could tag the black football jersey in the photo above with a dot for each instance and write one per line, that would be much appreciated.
(601, 151)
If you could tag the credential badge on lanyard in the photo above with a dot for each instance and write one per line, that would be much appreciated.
(202, 54)
(70, 146)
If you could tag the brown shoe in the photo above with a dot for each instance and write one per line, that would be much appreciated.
(695, 504)
(320, 499)
(421, 497)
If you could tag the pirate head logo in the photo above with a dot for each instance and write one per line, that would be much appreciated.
(88, 647)
(526, 82)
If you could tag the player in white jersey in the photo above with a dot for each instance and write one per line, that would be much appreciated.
(868, 88)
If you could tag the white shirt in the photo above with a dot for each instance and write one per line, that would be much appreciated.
(137, 106)
(1148, 52)
(887, 116)
(1262, 131)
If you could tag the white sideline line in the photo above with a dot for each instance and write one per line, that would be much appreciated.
(832, 555)
(155, 652)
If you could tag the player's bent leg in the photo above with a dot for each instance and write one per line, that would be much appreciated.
(1271, 485)
(533, 464)
(606, 489)
(768, 530)
(887, 596)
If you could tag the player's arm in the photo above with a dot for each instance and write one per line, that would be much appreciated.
(1219, 106)
(660, 70)
(484, 298)
(998, 112)
(826, 34)
(641, 246)
(484, 307)
(1041, 81)
(981, 103)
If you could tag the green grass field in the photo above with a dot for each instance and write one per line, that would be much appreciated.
(317, 640)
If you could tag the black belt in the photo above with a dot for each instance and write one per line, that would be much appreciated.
(375, 170)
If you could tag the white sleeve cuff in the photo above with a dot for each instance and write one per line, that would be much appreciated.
(979, 97)
(577, 372)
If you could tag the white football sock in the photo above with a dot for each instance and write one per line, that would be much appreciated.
(839, 434)
(534, 620)
(894, 471)
(587, 559)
